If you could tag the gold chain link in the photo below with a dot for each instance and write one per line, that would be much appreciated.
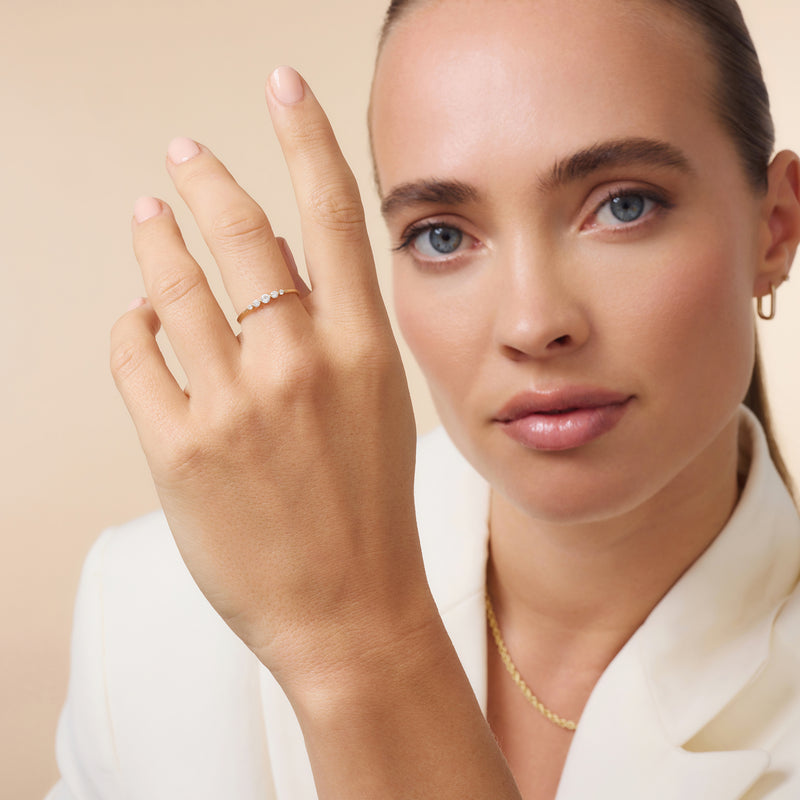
(567, 724)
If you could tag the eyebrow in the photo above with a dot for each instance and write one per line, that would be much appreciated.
(419, 193)
(615, 153)
(579, 165)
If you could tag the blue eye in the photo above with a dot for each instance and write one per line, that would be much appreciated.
(439, 240)
(628, 208)
(623, 209)
(434, 241)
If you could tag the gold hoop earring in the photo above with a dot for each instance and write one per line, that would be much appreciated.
(760, 305)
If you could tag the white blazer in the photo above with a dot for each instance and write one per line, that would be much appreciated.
(703, 702)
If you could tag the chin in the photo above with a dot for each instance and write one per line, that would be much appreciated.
(568, 487)
(572, 494)
(616, 476)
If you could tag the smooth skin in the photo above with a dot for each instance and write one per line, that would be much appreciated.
(285, 467)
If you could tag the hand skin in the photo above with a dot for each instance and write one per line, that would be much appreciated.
(285, 469)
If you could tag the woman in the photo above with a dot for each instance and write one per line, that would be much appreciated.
(583, 212)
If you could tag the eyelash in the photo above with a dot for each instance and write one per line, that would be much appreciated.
(417, 229)
(662, 202)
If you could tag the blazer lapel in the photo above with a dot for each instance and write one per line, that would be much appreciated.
(647, 730)
(621, 749)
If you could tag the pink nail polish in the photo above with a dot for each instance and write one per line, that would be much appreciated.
(137, 303)
(287, 86)
(182, 149)
(145, 208)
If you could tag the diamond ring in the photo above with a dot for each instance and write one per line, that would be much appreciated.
(268, 297)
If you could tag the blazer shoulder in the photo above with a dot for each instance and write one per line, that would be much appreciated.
(452, 505)
(146, 589)
(142, 542)
(442, 473)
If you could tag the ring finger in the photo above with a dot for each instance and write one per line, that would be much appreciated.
(234, 226)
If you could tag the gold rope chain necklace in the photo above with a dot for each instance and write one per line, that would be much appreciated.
(567, 724)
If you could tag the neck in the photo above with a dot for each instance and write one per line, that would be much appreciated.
(569, 595)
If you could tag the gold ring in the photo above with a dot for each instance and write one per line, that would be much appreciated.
(268, 297)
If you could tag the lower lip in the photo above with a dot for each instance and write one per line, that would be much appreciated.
(565, 431)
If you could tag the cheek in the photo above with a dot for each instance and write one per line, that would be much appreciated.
(443, 335)
(697, 325)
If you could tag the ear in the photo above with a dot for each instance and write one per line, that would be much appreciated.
(781, 222)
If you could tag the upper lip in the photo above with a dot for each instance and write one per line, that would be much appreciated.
(564, 399)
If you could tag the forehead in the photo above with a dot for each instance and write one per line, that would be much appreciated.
(461, 84)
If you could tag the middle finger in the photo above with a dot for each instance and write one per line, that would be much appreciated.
(233, 225)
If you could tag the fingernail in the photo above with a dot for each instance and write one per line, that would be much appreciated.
(137, 303)
(145, 208)
(182, 149)
(287, 86)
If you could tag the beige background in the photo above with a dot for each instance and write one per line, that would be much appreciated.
(91, 93)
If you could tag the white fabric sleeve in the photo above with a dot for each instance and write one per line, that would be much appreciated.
(85, 748)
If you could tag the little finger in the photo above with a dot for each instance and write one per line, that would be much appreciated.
(148, 388)
(179, 292)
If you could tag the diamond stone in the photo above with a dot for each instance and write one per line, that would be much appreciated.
(256, 303)
(274, 294)
(265, 298)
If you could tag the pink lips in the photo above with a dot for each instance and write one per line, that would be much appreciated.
(561, 420)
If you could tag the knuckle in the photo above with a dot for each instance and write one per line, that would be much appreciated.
(240, 228)
(126, 359)
(197, 173)
(226, 437)
(299, 374)
(337, 208)
(304, 375)
(173, 286)
(310, 134)
(185, 457)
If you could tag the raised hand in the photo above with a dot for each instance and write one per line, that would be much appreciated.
(286, 467)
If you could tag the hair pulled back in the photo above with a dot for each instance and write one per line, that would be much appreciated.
(740, 98)
(739, 93)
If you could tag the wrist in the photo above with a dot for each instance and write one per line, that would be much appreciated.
(400, 720)
(323, 663)
(375, 659)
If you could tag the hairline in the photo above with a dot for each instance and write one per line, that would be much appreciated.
(714, 90)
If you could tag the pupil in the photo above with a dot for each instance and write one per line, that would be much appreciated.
(445, 240)
(628, 208)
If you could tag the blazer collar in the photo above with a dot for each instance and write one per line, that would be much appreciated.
(711, 633)
(704, 642)
(621, 749)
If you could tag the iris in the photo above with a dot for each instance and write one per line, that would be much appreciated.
(445, 240)
(627, 208)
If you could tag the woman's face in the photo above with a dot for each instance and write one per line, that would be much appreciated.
(577, 245)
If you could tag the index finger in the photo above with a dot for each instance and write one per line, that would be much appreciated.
(338, 253)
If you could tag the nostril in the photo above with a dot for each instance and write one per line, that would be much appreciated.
(561, 341)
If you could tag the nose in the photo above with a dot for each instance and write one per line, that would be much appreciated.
(539, 311)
